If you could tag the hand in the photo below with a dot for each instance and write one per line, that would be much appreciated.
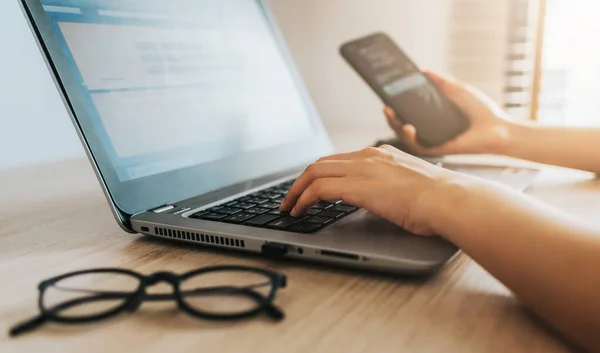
(387, 182)
(489, 131)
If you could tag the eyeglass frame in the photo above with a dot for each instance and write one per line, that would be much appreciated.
(133, 300)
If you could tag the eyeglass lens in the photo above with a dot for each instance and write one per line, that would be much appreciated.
(226, 292)
(89, 294)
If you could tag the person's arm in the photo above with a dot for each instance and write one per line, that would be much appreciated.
(549, 260)
(493, 132)
(569, 147)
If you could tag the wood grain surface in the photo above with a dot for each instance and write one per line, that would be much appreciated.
(53, 219)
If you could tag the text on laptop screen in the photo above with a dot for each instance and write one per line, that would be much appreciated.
(173, 84)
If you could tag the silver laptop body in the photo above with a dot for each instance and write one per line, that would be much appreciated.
(187, 106)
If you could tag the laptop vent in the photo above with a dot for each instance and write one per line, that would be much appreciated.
(199, 238)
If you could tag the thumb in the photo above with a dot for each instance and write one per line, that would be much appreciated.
(409, 137)
(439, 79)
(459, 93)
(450, 86)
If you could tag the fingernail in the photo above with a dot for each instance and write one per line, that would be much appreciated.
(293, 213)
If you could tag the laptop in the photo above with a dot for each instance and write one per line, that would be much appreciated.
(196, 122)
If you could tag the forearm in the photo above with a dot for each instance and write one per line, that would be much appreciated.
(577, 148)
(550, 261)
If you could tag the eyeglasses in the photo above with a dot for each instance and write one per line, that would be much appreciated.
(215, 293)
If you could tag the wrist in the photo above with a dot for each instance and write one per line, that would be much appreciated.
(510, 134)
(448, 203)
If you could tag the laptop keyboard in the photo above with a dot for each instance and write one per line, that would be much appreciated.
(261, 209)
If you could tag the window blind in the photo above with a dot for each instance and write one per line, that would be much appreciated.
(492, 47)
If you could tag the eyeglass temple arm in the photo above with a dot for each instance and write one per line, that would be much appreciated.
(274, 312)
(27, 326)
(35, 322)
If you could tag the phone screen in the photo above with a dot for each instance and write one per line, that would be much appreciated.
(402, 86)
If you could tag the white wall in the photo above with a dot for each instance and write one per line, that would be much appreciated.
(34, 126)
(316, 28)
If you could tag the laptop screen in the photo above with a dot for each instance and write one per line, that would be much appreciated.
(167, 87)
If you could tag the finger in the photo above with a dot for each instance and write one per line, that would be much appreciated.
(409, 133)
(393, 122)
(393, 117)
(348, 189)
(451, 87)
(441, 79)
(324, 169)
(411, 139)
(437, 78)
(389, 113)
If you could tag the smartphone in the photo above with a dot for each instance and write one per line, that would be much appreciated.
(403, 87)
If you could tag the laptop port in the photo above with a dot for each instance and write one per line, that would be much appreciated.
(274, 250)
(341, 255)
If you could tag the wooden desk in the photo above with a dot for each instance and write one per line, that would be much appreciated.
(53, 219)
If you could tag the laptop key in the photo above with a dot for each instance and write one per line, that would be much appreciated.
(344, 208)
(257, 200)
(332, 214)
(258, 210)
(279, 212)
(228, 210)
(214, 216)
(323, 205)
(239, 217)
(270, 205)
(199, 215)
(313, 211)
(245, 205)
(262, 220)
(320, 220)
(285, 222)
(305, 227)
(262, 209)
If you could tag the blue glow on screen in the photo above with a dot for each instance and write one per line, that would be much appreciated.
(169, 86)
